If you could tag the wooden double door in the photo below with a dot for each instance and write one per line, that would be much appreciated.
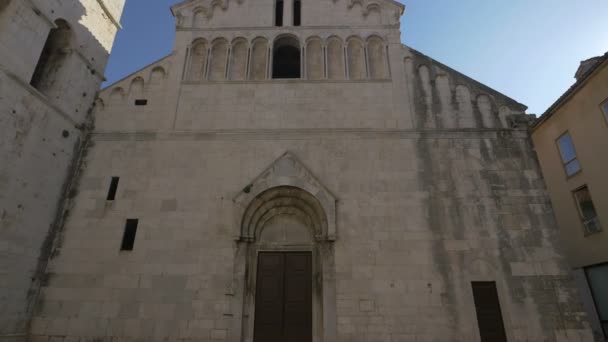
(283, 298)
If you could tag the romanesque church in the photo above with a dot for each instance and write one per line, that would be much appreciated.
(292, 172)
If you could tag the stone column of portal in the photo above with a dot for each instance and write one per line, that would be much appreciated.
(287, 12)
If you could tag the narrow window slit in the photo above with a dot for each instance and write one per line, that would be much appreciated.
(113, 188)
(128, 239)
(489, 315)
(278, 13)
(297, 13)
(141, 102)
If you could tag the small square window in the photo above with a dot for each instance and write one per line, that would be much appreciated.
(605, 109)
(141, 102)
(568, 154)
(587, 211)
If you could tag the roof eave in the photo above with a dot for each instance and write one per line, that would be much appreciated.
(573, 90)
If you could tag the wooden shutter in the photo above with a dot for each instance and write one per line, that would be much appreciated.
(489, 316)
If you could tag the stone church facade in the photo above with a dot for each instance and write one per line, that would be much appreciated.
(293, 172)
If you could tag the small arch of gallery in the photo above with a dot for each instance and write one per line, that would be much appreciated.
(287, 56)
(135, 88)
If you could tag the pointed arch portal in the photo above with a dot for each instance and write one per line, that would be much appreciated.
(284, 230)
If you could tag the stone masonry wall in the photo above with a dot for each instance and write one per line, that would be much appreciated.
(435, 179)
(40, 137)
(420, 216)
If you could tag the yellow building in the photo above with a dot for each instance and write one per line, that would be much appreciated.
(571, 139)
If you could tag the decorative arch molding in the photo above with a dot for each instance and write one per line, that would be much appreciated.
(258, 59)
(157, 75)
(357, 58)
(218, 60)
(199, 17)
(276, 186)
(136, 89)
(371, 8)
(368, 7)
(315, 58)
(188, 8)
(98, 105)
(285, 190)
(117, 94)
(377, 57)
(204, 9)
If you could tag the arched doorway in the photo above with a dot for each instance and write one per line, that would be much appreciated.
(284, 266)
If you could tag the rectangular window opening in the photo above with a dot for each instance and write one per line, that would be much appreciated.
(297, 13)
(128, 239)
(586, 210)
(113, 188)
(141, 102)
(489, 315)
(568, 154)
(597, 278)
(278, 13)
(605, 110)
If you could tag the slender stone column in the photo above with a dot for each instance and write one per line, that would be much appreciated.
(288, 13)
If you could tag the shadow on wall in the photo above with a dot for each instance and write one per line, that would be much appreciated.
(3, 4)
(54, 57)
(49, 86)
(68, 50)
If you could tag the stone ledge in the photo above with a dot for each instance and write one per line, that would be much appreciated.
(41, 97)
(305, 133)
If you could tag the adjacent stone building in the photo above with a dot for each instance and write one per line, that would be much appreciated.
(292, 172)
(52, 59)
(571, 139)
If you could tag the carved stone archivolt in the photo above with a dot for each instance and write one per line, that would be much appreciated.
(285, 186)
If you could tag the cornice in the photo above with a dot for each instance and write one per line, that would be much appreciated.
(308, 133)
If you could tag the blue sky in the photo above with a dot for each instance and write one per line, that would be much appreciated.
(526, 49)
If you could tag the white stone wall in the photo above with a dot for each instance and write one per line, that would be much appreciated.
(435, 181)
(420, 216)
(40, 136)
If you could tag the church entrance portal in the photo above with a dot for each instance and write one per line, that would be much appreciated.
(283, 304)
(284, 271)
